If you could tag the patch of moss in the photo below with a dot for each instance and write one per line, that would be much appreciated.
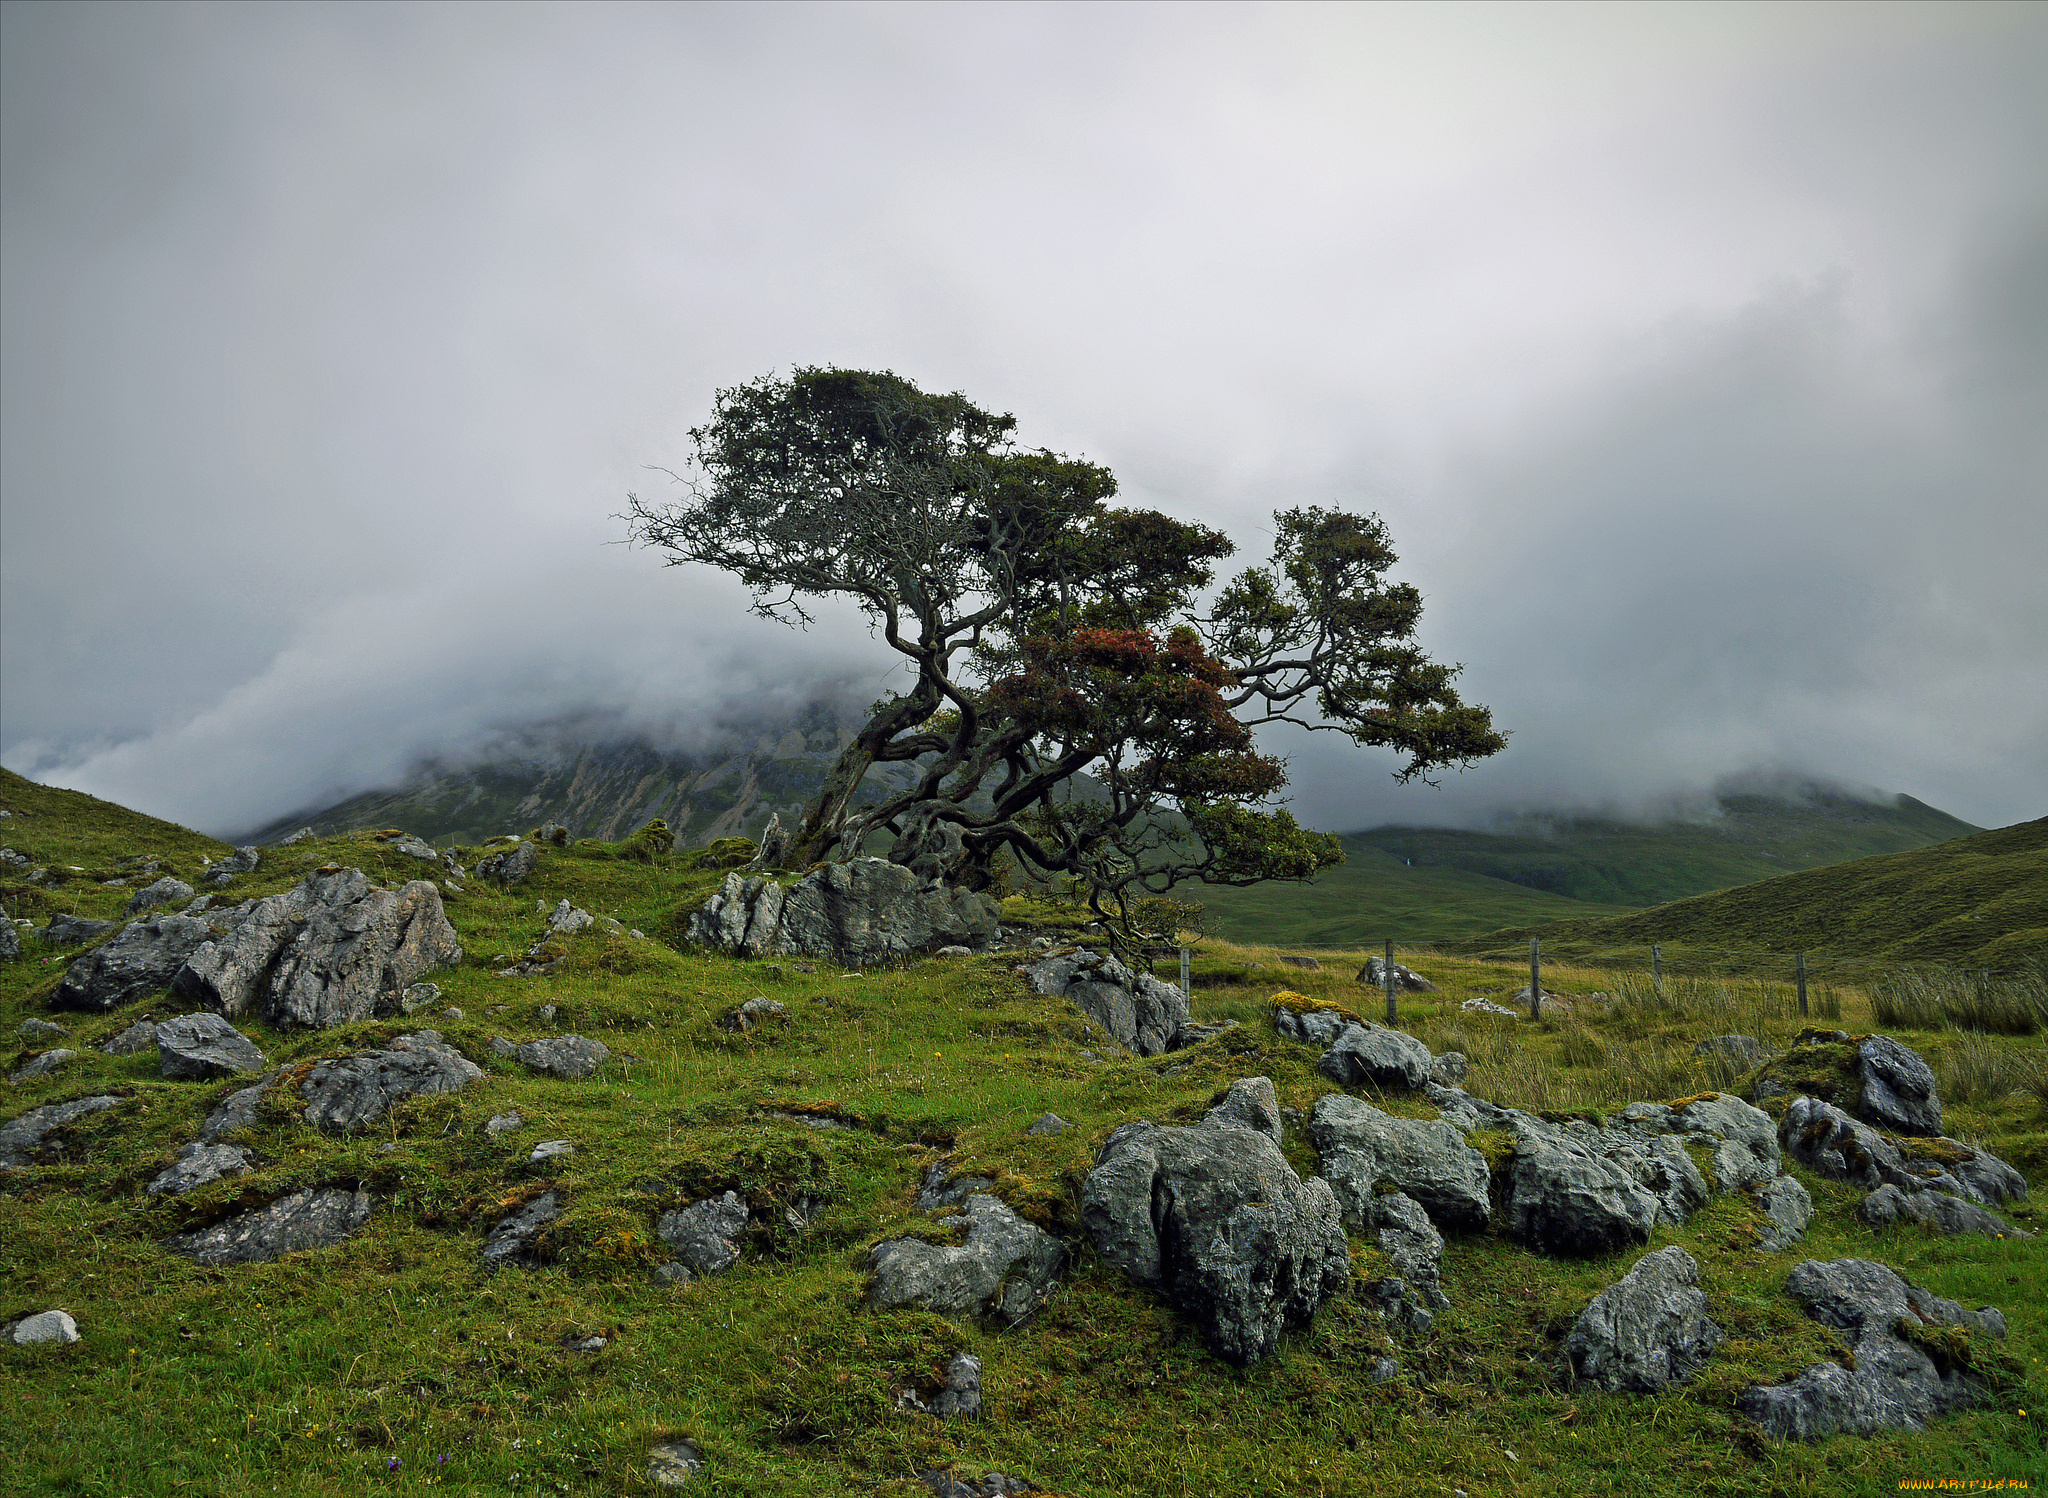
(1678, 1103)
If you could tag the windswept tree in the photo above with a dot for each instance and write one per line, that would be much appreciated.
(1071, 705)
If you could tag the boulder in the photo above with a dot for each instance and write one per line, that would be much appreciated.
(165, 891)
(862, 913)
(1564, 1197)
(10, 938)
(1787, 1209)
(567, 919)
(413, 847)
(70, 930)
(1140, 1013)
(1048, 1123)
(236, 1111)
(1411, 1243)
(1743, 1138)
(1426, 1159)
(1251, 1104)
(329, 952)
(1890, 1381)
(1001, 1275)
(511, 866)
(671, 1464)
(1828, 1141)
(1898, 1088)
(512, 1240)
(204, 1045)
(222, 872)
(1872, 1078)
(1889, 1205)
(139, 961)
(570, 1057)
(504, 1123)
(1477, 1005)
(291, 1224)
(1406, 980)
(140, 1036)
(1310, 1022)
(706, 1235)
(33, 1030)
(44, 1326)
(755, 1012)
(21, 1138)
(197, 1164)
(42, 1066)
(1368, 1055)
(1215, 1219)
(352, 1092)
(1646, 1331)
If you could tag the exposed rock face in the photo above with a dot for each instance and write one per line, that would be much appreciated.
(165, 891)
(862, 913)
(1251, 1104)
(512, 1240)
(706, 1235)
(328, 952)
(1406, 980)
(511, 866)
(21, 1137)
(1646, 1331)
(354, 1091)
(236, 1111)
(205, 1045)
(292, 1224)
(1311, 1024)
(1368, 1055)
(1945, 1214)
(1825, 1139)
(198, 1164)
(570, 1057)
(1745, 1141)
(1410, 1242)
(141, 960)
(935, 1191)
(1001, 1275)
(1787, 1209)
(1140, 1013)
(1894, 1383)
(242, 861)
(1215, 1218)
(10, 938)
(139, 1036)
(961, 1394)
(70, 930)
(1898, 1088)
(43, 1065)
(1427, 1160)
(1564, 1197)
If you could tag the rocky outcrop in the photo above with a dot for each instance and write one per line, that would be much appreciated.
(44, 1326)
(862, 913)
(1646, 1331)
(1214, 1218)
(706, 1235)
(570, 1057)
(1251, 1103)
(237, 1111)
(1786, 1209)
(205, 1045)
(42, 1066)
(1426, 1159)
(1828, 1141)
(513, 1240)
(352, 1092)
(21, 1138)
(1891, 1381)
(1140, 1013)
(10, 938)
(1004, 1271)
(165, 891)
(221, 873)
(1411, 1243)
(1888, 1205)
(1566, 1197)
(199, 1164)
(70, 930)
(1872, 1078)
(1406, 980)
(1744, 1140)
(1899, 1094)
(511, 866)
(292, 1224)
(1369, 1055)
(138, 962)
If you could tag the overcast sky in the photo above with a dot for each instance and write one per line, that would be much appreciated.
(1697, 356)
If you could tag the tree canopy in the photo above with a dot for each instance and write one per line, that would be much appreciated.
(1072, 708)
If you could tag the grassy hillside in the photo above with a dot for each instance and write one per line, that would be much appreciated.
(396, 1361)
(1976, 902)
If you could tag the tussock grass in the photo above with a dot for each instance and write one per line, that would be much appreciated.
(1932, 998)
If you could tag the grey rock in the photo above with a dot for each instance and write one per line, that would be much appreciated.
(32, 1030)
(1393, 1298)
(140, 1036)
(504, 1123)
(863, 913)
(954, 951)
(1898, 1088)
(550, 1149)
(204, 1045)
(139, 961)
(1368, 1055)
(352, 1092)
(237, 1111)
(1828, 1141)
(21, 1137)
(302, 835)
(752, 1014)
(1888, 1206)
(1141, 1013)
(1426, 1159)
(42, 1066)
(419, 996)
(197, 1164)
(44, 1326)
(1048, 1123)
(568, 1056)
(10, 938)
(1744, 1139)
(673, 1463)
(453, 1015)
(511, 866)
(1216, 1219)
(1251, 1104)
(1406, 980)
(165, 891)
(1894, 1384)
(292, 1224)
(1449, 1069)
(961, 1393)
(707, 1234)
(500, 1046)
(935, 1191)
(70, 930)
(1318, 1026)
(949, 1484)
(1001, 1275)
(222, 872)
(567, 920)
(1787, 1209)
(331, 951)
(1477, 1005)
(1385, 1370)
(1744, 1052)
(772, 850)
(675, 1272)
(1566, 1198)
(1646, 1331)
(512, 1240)
(1411, 1243)
(547, 1014)
(412, 847)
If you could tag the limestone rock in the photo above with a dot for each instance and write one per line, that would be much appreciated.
(863, 913)
(1646, 1331)
(673, 1463)
(1406, 980)
(237, 1111)
(1426, 1159)
(1215, 1219)
(1477, 1005)
(10, 938)
(198, 1164)
(707, 1234)
(137, 962)
(754, 1013)
(204, 1045)
(42, 1066)
(961, 1393)
(1368, 1055)
(568, 1056)
(1826, 1140)
(512, 1240)
(1787, 1209)
(1449, 1069)
(1410, 1242)
(1745, 1141)
(351, 1092)
(1898, 1088)
(44, 1326)
(291, 1224)
(1140, 1013)
(504, 1123)
(1566, 1198)
(70, 930)
(140, 1036)
(1314, 1024)
(33, 1030)
(567, 919)
(1251, 1104)
(1894, 1384)
(1944, 1213)
(21, 1138)
(935, 1191)
(1048, 1123)
(165, 891)
(1001, 1275)
(511, 866)
(222, 873)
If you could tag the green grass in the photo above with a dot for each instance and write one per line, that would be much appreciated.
(317, 1374)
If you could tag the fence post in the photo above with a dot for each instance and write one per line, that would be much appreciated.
(1186, 988)
(1535, 978)
(1387, 972)
(1657, 969)
(1799, 974)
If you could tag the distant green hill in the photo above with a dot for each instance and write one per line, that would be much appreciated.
(1978, 902)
